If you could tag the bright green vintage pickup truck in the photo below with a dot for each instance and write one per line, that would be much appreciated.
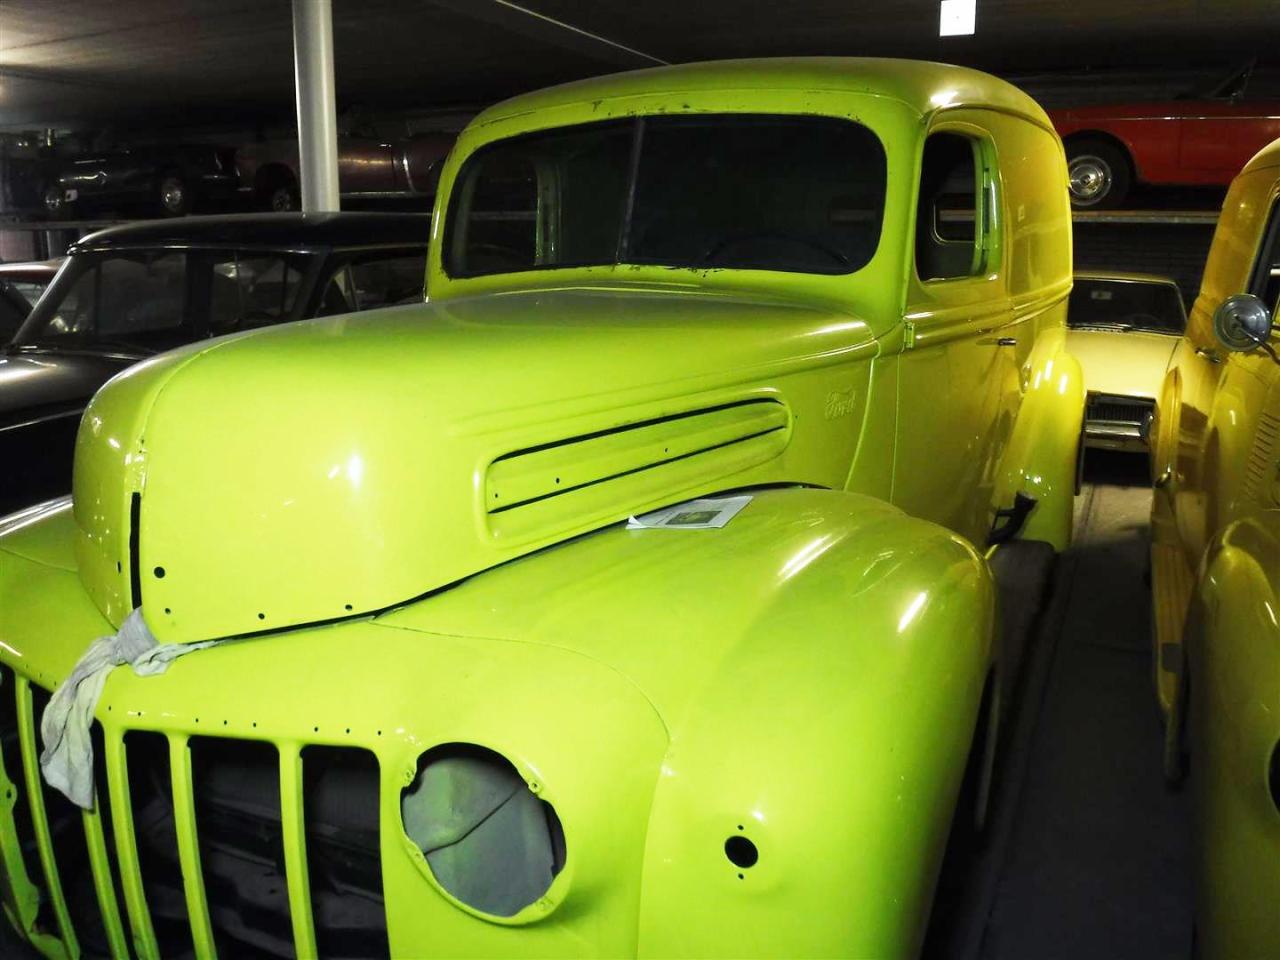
(466, 710)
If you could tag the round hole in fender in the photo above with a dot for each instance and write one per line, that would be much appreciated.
(741, 852)
(489, 841)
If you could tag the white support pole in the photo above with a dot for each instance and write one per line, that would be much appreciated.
(317, 105)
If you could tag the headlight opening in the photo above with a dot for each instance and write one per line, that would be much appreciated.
(489, 841)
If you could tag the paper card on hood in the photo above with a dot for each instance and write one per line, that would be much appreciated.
(705, 514)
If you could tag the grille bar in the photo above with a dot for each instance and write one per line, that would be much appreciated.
(1115, 409)
(96, 841)
(39, 818)
(293, 826)
(21, 895)
(218, 864)
(135, 898)
(184, 813)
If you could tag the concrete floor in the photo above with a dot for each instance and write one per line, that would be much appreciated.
(1088, 853)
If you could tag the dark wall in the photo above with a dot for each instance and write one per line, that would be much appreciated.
(1176, 250)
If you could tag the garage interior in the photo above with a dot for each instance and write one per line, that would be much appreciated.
(1087, 852)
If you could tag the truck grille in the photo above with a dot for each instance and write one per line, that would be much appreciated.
(1106, 408)
(197, 845)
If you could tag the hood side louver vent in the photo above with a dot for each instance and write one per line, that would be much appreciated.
(715, 441)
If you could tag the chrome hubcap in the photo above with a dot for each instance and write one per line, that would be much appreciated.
(171, 194)
(281, 201)
(1090, 179)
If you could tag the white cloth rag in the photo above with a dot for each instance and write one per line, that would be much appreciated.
(67, 760)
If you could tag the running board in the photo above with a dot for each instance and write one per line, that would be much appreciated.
(1171, 586)
(1022, 570)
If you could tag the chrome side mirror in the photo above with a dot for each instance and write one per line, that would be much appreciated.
(1242, 322)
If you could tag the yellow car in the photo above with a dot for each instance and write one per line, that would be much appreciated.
(1122, 327)
(629, 598)
(1216, 570)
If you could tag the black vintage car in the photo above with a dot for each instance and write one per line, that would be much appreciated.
(131, 291)
(170, 179)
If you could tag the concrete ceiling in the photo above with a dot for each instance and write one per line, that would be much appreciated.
(169, 62)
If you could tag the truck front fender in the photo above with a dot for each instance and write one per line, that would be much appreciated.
(1233, 675)
(1040, 460)
(805, 801)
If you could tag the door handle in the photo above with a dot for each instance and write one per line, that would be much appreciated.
(1165, 478)
(1209, 354)
(1000, 342)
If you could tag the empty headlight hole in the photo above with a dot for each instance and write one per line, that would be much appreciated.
(741, 852)
(488, 840)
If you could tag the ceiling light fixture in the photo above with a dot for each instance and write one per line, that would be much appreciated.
(957, 18)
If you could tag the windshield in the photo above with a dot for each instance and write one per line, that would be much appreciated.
(143, 301)
(791, 193)
(1126, 305)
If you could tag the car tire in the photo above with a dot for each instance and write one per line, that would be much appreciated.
(173, 194)
(283, 198)
(1098, 175)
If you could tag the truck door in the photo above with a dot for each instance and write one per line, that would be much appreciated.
(956, 364)
(1227, 448)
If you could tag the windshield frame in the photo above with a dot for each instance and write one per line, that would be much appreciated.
(82, 259)
(637, 122)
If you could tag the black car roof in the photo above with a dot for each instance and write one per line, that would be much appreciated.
(292, 230)
(34, 270)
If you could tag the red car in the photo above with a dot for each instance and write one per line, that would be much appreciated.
(1202, 139)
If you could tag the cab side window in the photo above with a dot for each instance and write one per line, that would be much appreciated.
(953, 216)
(1264, 282)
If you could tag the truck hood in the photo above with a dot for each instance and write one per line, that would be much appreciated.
(319, 470)
(1127, 364)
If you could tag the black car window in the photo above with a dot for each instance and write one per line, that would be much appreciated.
(13, 311)
(28, 290)
(154, 300)
(120, 297)
(337, 298)
(251, 290)
(383, 281)
(1125, 304)
(375, 280)
(1264, 278)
